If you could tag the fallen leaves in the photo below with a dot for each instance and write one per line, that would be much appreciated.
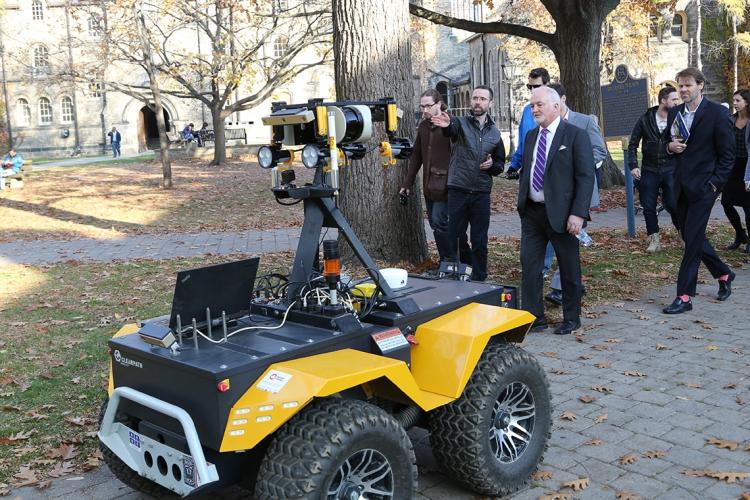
(568, 415)
(560, 371)
(628, 459)
(549, 354)
(20, 436)
(603, 389)
(603, 365)
(601, 418)
(660, 347)
(693, 385)
(728, 477)
(601, 347)
(542, 475)
(628, 495)
(634, 374)
(556, 495)
(593, 442)
(577, 484)
(722, 443)
(586, 399)
(65, 451)
(655, 453)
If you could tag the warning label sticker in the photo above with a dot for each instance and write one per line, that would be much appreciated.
(390, 339)
(274, 381)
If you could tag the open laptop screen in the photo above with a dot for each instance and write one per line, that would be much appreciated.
(222, 287)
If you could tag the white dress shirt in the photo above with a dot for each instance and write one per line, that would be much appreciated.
(688, 116)
(535, 195)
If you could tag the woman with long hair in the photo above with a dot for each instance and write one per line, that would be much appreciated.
(734, 193)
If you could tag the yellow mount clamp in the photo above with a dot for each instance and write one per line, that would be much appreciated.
(387, 153)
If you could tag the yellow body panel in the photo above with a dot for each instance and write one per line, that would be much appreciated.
(392, 117)
(321, 116)
(259, 413)
(448, 347)
(125, 330)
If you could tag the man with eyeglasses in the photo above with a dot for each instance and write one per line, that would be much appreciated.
(432, 149)
(477, 155)
(537, 78)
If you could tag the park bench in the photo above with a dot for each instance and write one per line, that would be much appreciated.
(16, 180)
(230, 134)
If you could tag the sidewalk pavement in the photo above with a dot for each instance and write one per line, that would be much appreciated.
(675, 382)
(276, 240)
(88, 160)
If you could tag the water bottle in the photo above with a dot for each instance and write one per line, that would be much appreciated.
(584, 238)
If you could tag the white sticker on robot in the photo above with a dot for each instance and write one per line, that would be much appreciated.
(274, 381)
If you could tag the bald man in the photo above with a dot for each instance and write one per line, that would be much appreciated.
(557, 179)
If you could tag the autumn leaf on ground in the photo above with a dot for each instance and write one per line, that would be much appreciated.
(728, 477)
(601, 347)
(586, 399)
(737, 351)
(63, 452)
(603, 364)
(660, 347)
(4, 490)
(593, 442)
(603, 389)
(730, 386)
(10, 408)
(695, 473)
(628, 495)
(577, 484)
(61, 469)
(628, 459)
(548, 354)
(584, 357)
(655, 453)
(541, 475)
(739, 400)
(693, 385)
(643, 317)
(568, 415)
(33, 415)
(697, 337)
(556, 495)
(722, 443)
(43, 485)
(614, 341)
(712, 347)
(20, 436)
(77, 421)
(25, 477)
(634, 374)
(600, 418)
(560, 371)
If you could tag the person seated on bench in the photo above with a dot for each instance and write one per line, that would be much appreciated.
(189, 134)
(11, 166)
(203, 132)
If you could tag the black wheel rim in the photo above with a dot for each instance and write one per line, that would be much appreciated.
(512, 423)
(366, 474)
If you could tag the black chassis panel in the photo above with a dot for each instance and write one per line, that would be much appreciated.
(189, 380)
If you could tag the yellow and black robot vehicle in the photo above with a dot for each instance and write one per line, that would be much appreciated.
(305, 385)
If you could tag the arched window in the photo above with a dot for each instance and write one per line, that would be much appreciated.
(41, 59)
(66, 108)
(45, 111)
(23, 113)
(678, 25)
(95, 26)
(280, 46)
(37, 10)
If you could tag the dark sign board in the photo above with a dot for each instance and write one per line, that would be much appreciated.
(623, 102)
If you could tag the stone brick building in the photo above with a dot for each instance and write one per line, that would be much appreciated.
(47, 115)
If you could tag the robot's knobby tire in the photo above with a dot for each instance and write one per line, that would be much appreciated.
(127, 475)
(492, 437)
(339, 449)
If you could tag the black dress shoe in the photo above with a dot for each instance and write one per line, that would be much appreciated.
(568, 327)
(555, 297)
(739, 240)
(678, 307)
(539, 324)
(725, 287)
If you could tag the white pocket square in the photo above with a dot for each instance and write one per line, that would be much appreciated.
(562, 147)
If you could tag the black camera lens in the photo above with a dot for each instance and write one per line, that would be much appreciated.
(403, 199)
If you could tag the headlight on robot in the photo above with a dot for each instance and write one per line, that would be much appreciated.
(312, 156)
(269, 157)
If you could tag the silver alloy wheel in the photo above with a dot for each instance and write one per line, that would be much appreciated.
(512, 422)
(366, 474)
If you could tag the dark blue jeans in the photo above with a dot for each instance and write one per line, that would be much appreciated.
(472, 209)
(437, 215)
(115, 149)
(649, 186)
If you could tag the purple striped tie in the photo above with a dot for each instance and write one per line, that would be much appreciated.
(541, 159)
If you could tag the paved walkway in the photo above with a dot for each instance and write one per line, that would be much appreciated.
(692, 384)
(195, 244)
(88, 160)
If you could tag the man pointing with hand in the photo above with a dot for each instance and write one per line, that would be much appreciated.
(477, 154)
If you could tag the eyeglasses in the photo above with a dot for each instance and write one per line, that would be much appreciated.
(532, 87)
(426, 106)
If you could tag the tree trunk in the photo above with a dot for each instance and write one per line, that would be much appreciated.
(166, 165)
(373, 60)
(220, 145)
(577, 53)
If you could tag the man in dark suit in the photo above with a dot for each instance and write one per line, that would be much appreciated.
(701, 147)
(557, 179)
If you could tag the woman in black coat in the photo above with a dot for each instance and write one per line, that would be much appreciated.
(735, 193)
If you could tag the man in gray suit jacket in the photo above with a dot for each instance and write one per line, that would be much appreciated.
(589, 124)
(554, 194)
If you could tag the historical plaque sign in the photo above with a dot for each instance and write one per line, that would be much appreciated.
(623, 102)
